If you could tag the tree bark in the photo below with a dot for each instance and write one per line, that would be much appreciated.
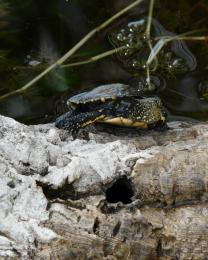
(122, 195)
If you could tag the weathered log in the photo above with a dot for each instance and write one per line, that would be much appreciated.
(107, 196)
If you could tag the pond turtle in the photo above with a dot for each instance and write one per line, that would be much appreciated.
(116, 104)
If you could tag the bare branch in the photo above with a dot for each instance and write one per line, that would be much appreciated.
(72, 51)
(95, 58)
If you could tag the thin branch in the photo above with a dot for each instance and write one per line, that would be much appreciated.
(117, 15)
(95, 58)
(180, 94)
(177, 36)
(155, 50)
(73, 50)
(78, 63)
(193, 38)
(149, 20)
(165, 39)
(148, 34)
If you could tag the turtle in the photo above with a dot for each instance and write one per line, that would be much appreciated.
(115, 104)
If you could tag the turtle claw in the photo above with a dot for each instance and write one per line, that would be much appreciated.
(74, 134)
(160, 127)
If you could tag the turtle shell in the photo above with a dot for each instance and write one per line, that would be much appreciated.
(104, 93)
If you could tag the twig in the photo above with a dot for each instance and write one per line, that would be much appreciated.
(94, 58)
(73, 50)
(180, 94)
(193, 38)
(78, 63)
(165, 39)
(177, 36)
(148, 34)
(149, 20)
(155, 50)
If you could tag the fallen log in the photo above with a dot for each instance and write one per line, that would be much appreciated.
(103, 195)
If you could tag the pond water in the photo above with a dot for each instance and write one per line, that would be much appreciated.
(34, 34)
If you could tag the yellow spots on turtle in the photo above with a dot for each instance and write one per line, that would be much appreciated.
(155, 114)
(113, 98)
(92, 121)
(102, 99)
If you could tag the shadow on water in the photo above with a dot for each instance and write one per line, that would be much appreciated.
(35, 33)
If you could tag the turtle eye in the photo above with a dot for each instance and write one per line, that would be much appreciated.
(71, 105)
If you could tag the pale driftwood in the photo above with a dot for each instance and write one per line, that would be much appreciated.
(168, 216)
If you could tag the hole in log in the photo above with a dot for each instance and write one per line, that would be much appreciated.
(120, 191)
(116, 228)
(65, 192)
(11, 184)
(96, 226)
(159, 249)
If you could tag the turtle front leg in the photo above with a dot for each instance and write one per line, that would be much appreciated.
(159, 126)
(73, 123)
(62, 120)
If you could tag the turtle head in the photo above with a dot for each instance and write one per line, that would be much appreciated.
(153, 111)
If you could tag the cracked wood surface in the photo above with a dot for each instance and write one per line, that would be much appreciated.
(53, 193)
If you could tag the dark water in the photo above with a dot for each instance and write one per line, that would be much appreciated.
(33, 34)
